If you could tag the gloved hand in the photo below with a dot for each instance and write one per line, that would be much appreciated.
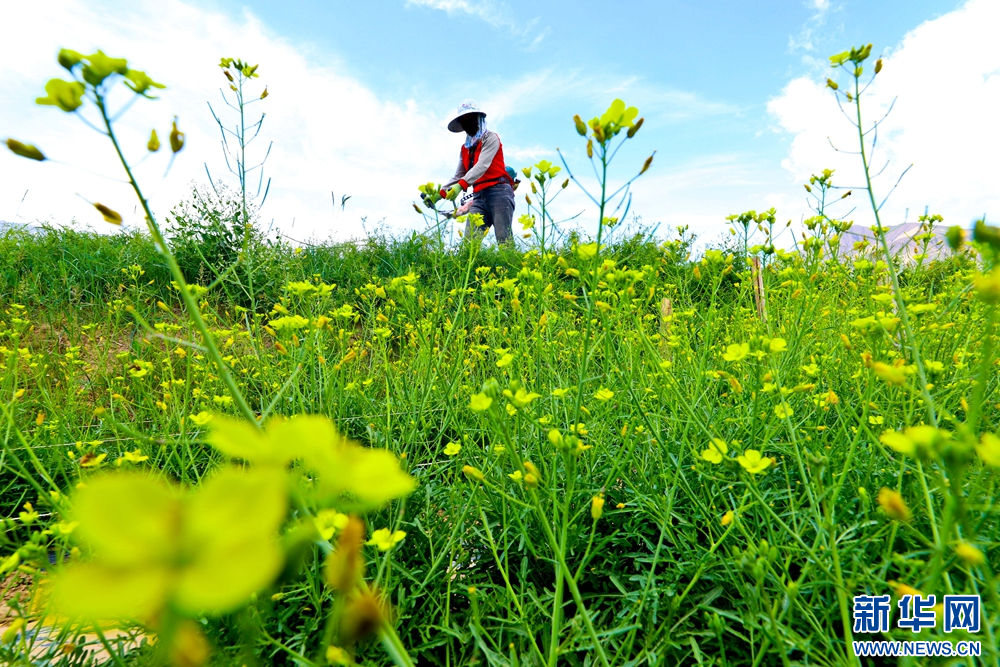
(443, 193)
(454, 193)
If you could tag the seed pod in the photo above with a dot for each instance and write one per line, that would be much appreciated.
(850, 97)
(25, 150)
(846, 194)
(645, 165)
(113, 217)
(808, 189)
(635, 128)
(527, 198)
(154, 142)
(580, 127)
(590, 148)
(565, 183)
(363, 616)
(831, 84)
(878, 65)
(228, 75)
(265, 93)
(345, 566)
(418, 209)
(176, 138)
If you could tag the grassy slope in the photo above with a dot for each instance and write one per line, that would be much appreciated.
(662, 578)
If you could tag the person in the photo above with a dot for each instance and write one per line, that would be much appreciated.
(481, 167)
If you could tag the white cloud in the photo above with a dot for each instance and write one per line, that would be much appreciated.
(492, 12)
(330, 132)
(945, 77)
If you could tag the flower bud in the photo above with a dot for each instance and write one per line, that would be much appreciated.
(532, 472)
(265, 93)
(363, 616)
(831, 84)
(635, 128)
(69, 59)
(590, 148)
(580, 127)
(345, 566)
(808, 189)
(176, 138)
(113, 217)
(597, 506)
(474, 474)
(565, 184)
(878, 65)
(645, 165)
(25, 150)
(228, 75)
(154, 142)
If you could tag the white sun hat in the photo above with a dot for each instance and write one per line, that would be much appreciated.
(465, 108)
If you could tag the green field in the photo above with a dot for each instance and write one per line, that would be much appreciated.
(610, 451)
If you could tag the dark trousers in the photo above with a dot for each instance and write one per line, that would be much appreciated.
(496, 205)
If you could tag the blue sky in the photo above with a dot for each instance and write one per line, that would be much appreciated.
(731, 92)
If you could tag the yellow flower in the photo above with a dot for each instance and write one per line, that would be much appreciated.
(480, 402)
(90, 460)
(736, 352)
(891, 374)
(521, 398)
(727, 518)
(154, 545)
(753, 461)
(452, 448)
(586, 251)
(989, 449)
(715, 451)
(135, 456)
(604, 395)
(915, 440)
(893, 505)
(777, 345)
(201, 418)
(385, 540)
(505, 360)
(372, 476)
(516, 475)
(783, 411)
(559, 392)
(970, 554)
(328, 522)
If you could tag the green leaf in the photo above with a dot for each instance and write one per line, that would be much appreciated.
(67, 95)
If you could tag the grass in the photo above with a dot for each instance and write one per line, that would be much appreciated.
(504, 572)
